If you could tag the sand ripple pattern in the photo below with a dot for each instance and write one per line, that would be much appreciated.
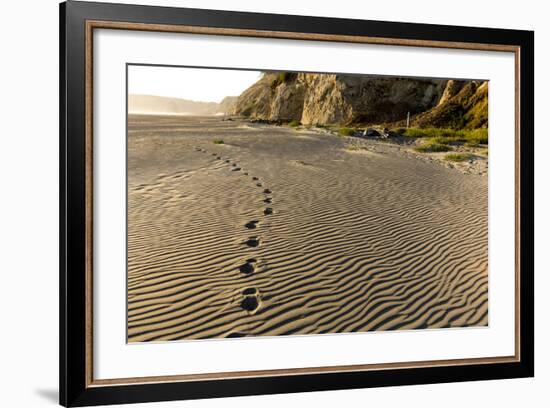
(350, 243)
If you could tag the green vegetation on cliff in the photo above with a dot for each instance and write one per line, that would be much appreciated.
(465, 106)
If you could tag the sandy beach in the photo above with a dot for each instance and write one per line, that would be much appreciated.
(285, 232)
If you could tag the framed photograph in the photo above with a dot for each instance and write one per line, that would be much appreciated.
(256, 204)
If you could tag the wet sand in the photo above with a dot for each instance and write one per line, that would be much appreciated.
(280, 232)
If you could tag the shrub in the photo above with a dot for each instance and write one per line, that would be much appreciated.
(218, 141)
(457, 157)
(400, 131)
(283, 77)
(345, 131)
(429, 132)
(417, 132)
(294, 123)
(478, 136)
(444, 140)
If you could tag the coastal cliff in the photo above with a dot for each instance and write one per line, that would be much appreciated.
(320, 99)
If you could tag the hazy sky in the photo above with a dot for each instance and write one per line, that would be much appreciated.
(197, 84)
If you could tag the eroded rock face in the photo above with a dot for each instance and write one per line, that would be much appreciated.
(288, 101)
(326, 100)
(452, 88)
(256, 102)
(337, 99)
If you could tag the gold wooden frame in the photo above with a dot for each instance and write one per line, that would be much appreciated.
(98, 24)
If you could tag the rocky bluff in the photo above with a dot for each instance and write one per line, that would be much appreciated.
(314, 99)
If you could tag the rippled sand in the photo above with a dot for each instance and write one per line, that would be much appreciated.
(279, 232)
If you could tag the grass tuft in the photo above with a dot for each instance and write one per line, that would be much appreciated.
(447, 136)
(457, 157)
(432, 148)
(218, 141)
(294, 123)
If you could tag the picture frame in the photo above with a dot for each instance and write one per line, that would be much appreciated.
(79, 21)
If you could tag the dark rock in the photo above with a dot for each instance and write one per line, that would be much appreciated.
(370, 132)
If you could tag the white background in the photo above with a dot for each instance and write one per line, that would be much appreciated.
(113, 358)
(29, 221)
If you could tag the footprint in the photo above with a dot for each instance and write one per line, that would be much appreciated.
(267, 191)
(268, 200)
(252, 242)
(235, 335)
(228, 161)
(255, 178)
(213, 154)
(251, 224)
(259, 184)
(234, 164)
(250, 303)
(268, 211)
(218, 158)
(246, 173)
(236, 169)
(248, 267)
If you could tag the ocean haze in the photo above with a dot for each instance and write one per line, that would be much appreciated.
(162, 105)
